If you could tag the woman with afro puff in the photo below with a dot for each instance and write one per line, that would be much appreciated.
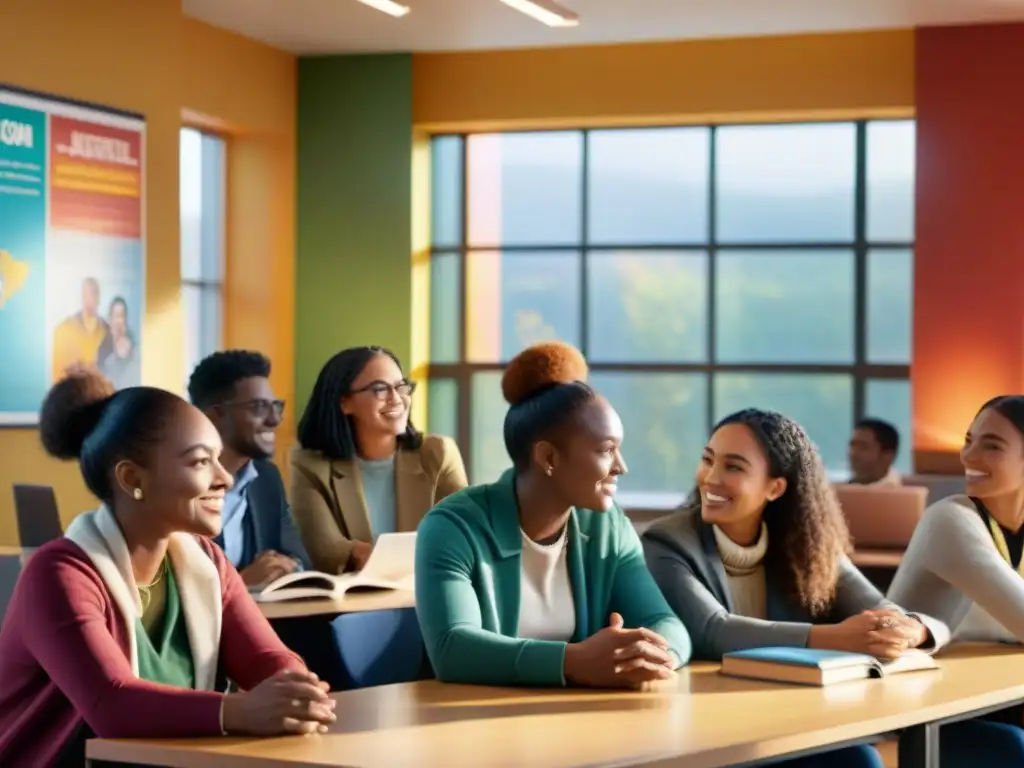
(539, 578)
(758, 557)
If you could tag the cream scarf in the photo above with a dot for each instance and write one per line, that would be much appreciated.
(100, 537)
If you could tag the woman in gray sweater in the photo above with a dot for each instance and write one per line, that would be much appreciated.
(963, 566)
(758, 558)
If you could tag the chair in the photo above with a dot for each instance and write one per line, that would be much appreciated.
(10, 567)
(35, 507)
(380, 647)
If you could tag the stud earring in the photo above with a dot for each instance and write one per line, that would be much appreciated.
(549, 471)
(137, 494)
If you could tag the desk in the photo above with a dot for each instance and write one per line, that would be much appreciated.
(701, 720)
(360, 602)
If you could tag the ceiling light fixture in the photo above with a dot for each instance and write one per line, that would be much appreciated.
(390, 7)
(545, 11)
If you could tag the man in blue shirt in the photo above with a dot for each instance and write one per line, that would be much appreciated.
(258, 535)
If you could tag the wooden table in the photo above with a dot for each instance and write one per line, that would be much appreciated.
(383, 600)
(702, 720)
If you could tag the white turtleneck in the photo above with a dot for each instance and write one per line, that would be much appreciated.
(744, 568)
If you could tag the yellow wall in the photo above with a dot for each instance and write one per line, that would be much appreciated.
(146, 57)
(832, 75)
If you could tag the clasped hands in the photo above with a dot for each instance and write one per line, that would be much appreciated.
(882, 633)
(617, 657)
(292, 701)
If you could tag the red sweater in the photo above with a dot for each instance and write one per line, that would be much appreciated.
(65, 663)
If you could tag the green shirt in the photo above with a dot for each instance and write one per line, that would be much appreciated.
(166, 657)
(468, 553)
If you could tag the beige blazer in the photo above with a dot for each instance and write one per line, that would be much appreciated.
(330, 509)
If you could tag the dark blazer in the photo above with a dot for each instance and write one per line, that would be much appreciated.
(268, 520)
(683, 558)
(330, 508)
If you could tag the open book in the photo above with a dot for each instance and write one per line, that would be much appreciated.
(390, 567)
(809, 666)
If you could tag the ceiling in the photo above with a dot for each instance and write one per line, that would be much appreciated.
(335, 26)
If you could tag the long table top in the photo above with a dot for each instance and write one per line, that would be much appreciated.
(700, 720)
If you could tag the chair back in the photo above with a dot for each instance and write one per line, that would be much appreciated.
(35, 507)
(882, 516)
(380, 647)
(10, 567)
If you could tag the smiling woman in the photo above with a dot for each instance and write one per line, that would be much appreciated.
(361, 468)
(119, 629)
(757, 557)
(963, 565)
(539, 579)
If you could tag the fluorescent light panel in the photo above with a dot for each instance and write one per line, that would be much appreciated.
(390, 7)
(545, 12)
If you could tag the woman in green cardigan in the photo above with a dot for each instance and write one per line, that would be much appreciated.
(539, 578)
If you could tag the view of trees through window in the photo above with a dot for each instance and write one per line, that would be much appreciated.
(700, 270)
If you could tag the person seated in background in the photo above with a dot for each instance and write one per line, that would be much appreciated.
(258, 535)
(361, 469)
(758, 557)
(118, 630)
(538, 578)
(963, 566)
(873, 449)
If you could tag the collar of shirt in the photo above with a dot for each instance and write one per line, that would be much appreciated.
(245, 475)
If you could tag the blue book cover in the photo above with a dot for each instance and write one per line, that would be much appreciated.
(802, 657)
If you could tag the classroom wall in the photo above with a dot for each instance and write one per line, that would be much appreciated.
(969, 271)
(353, 276)
(825, 75)
(146, 57)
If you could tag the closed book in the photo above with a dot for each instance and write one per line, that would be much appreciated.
(809, 666)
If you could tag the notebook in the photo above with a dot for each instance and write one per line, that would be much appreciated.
(390, 566)
(808, 666)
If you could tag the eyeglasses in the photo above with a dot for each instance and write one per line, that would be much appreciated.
(263, 409)
(382, 390)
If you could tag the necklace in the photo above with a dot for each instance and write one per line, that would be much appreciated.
(145, 590)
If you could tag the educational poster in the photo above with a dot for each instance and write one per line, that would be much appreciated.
(72, 254)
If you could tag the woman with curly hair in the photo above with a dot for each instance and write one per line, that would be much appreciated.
(758, 557)
(539, 578)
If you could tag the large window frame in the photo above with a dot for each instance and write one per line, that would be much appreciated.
(860, 369)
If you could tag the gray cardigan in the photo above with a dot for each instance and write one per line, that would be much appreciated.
(683, 557)
(952, 563)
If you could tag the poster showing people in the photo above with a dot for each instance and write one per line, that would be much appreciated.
(72, 253)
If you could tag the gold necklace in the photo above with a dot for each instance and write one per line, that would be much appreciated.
(145, 594)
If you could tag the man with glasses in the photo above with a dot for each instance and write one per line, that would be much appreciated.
(258, 535)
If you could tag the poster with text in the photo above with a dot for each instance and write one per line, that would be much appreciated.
(72, 247)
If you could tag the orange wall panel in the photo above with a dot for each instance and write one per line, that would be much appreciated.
(840, 75)
(969, 265)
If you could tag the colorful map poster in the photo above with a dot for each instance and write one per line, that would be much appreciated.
(72, 253)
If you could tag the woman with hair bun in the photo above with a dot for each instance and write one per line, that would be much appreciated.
(121, 628)
(539, 578)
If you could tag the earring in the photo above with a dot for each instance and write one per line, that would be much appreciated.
(549, 470)
(137, 494)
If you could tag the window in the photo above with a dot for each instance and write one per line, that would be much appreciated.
(700, 270)
(202, 243)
